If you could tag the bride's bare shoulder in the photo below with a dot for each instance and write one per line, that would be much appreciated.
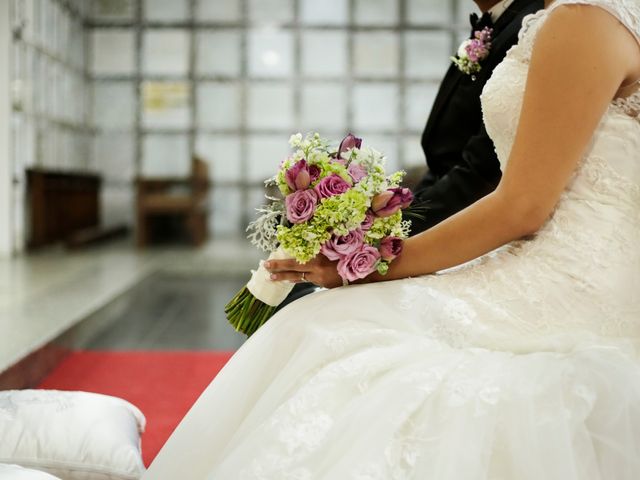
(595, 32)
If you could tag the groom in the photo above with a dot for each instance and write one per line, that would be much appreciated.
(463, 165)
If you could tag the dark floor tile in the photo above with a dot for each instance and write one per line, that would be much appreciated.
(172, 312)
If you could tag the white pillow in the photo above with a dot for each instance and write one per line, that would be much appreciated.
(73, 435)
(16, 472)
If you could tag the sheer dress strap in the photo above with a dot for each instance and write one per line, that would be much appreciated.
(626, 11)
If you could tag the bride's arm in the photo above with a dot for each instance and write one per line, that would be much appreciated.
(582, 56)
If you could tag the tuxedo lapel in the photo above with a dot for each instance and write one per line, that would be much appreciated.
(509, 14)
(454, 75)
(448, 85)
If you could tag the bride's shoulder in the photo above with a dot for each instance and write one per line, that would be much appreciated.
(614, 24)
(592, 27)
(600, 20)
(626, 12)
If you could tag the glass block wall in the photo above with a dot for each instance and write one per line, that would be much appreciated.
(232, 79)
(229, 80)
(50, 93)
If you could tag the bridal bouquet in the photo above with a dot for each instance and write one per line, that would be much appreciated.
(339, 203)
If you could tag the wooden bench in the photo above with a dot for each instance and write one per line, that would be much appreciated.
(61, 204)
(184, 198)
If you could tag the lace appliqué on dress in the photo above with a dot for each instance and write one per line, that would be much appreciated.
(628, 105)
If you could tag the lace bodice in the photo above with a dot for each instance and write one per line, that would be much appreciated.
(629, 105)
(502, 96)
(595, 227)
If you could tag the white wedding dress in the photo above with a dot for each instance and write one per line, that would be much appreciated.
(521, 365)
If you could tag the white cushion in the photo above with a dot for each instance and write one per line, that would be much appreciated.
(16, 472)
(73, 435)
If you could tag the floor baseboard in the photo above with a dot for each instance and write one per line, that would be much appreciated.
(32, 369)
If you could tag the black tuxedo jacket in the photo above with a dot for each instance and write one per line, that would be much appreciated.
(463, 165)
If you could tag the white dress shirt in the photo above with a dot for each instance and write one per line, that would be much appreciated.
(498, 9)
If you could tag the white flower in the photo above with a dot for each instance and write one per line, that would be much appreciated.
(295, 140)
(462, 49)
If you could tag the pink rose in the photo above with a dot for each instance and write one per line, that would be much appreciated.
(359, 264)
(390, 248)
(389, 202)
(357, 172)
(298, 177)
(301, 205)
(332, 185)
(339, 246)
(368, 220)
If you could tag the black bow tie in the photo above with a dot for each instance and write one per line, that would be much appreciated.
(478, 23)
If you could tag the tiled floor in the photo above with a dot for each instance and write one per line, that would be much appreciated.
(44, 294)
(172, 312)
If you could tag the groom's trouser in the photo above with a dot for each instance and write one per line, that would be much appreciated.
(299, 291)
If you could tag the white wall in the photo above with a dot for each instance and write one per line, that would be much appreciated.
(231, 80)
(6, 225)
(50, 125)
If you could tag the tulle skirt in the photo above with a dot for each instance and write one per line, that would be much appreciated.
(343, 385)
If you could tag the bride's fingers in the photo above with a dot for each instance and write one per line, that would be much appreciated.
(288, 265)
(295, 277)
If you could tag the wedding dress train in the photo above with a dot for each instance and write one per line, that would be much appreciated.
(523, 364)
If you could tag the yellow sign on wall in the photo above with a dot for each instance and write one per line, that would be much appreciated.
(165, 96)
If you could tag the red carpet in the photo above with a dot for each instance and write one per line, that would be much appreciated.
(163, 385)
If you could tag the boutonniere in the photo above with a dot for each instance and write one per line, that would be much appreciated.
(472, 51)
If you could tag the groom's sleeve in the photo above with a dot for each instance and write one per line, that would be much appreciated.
(477, 174)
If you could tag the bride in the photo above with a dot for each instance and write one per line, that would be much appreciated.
(523, 362)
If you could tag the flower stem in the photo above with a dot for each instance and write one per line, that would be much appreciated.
(246, 313)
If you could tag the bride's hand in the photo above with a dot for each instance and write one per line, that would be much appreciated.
(320, 271)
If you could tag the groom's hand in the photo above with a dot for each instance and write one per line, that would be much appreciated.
(320, 271)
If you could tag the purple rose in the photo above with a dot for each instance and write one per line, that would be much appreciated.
(357, 171)
(339, 246)
(349, 142)
(332, 185)
(301, 205)
(389, 202)
(368, 220)
(390, 248)
(359, 264)
(314, 172)
(298, 177)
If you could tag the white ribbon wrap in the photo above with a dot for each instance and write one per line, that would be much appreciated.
(266, 290)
